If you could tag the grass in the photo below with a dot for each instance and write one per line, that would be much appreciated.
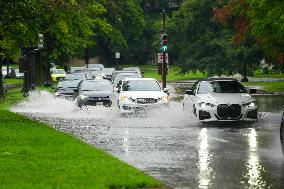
(14, 96)
(17, 82)
(268, 86)
(259, 74)
(33, 155)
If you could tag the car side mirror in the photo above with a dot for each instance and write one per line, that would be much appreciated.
(166, 90)
(252, 91)
(189, 92)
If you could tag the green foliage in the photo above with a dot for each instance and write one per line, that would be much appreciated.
(200, 43)
(127, 20)
(267, 24)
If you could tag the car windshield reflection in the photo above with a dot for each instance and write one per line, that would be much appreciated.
(141, 86)
(221, 87)
(96, 86)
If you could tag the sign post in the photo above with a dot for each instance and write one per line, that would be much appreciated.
(117, 56)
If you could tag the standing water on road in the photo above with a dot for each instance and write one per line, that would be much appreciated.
(171, 145)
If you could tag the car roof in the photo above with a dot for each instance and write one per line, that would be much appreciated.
(97, 80)
(77, 73)
(217, 79)
(127, 73)
(139, 79)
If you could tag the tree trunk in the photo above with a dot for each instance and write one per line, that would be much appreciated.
(2, 92)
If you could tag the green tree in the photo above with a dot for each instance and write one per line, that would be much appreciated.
(267, 24)
(68, 26)
(201, 43)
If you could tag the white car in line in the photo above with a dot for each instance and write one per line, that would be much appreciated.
(141, 93)
(220, 99)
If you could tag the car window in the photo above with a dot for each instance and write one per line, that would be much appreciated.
(205, 88)
(75, 77)
(58, 71)
(67, 84)
(141, 85)
(228, 87)
(120, 77)
(96, 86)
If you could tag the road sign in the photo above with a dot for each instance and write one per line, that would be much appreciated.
(160, 58)
(117, 55)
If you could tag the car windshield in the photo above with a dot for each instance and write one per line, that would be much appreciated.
(107, 70)
(67, 84)
(95, 72)
(96, 66)
(132, 69)
(58, 71)
(141, 85)
(221, 87)
(120, 77)
(96, 86)
(75, 77)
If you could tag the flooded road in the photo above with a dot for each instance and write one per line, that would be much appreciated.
(172, 146)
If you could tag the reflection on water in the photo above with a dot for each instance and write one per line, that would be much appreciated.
(205, 171)
(254, 170)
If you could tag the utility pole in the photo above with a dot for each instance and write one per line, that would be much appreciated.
(86, 52)
(26, 87)
(164, 49)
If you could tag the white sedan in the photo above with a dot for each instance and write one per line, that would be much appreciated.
(220, 99)
(141, 93)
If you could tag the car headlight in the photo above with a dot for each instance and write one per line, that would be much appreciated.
(56, 94)
(83, 97)
(250, 104)
(130, 99)
(205, 105)
(122, 98)
(164, 98)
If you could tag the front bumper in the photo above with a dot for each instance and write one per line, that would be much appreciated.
(67, 96)
(210, 114)
(94, 102)
(130, 108)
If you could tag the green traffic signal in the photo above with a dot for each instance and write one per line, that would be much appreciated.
(164, 42)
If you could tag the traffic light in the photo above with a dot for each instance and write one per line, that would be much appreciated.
(164, 42)
(40, 41)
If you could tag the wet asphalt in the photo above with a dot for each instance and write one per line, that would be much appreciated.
(171, 145)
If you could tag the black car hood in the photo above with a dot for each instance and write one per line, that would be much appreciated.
(65, 91)
(97, 93)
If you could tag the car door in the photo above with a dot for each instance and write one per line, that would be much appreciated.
(189, 99)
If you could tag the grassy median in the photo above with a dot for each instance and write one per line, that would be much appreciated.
(33, 155)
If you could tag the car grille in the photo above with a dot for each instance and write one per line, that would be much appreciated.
(146, 101)
(59, 78)
(99, 98)
(232, 111)
(67, 93)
